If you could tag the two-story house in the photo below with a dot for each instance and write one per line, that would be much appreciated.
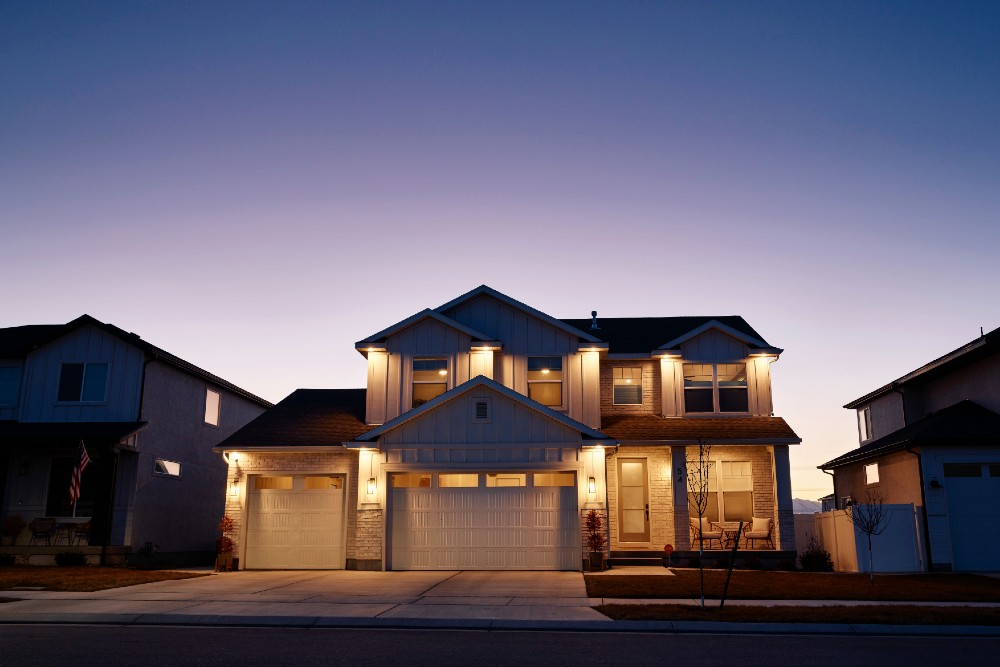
(147, 420)
(931, 438)
(487, 431)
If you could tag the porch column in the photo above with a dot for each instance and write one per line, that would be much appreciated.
(682, 533)
(784, 519)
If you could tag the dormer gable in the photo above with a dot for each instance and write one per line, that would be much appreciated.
(377, 341)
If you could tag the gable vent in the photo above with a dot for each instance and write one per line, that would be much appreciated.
(481, 410)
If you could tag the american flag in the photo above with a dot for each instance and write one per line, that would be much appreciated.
(82, 460)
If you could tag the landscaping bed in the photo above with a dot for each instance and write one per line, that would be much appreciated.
(83, 578)
(756, 585)
(879, 614)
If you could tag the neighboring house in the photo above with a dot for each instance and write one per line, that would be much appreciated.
(148, 421)
(489, 429)
(932, 439)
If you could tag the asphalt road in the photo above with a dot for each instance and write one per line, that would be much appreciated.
(151, 646)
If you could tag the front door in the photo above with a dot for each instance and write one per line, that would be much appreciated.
(633, 501)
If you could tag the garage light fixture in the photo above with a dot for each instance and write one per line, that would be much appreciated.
(592, 485)
(371, 486)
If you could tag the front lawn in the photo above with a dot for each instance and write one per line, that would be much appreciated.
(756, 585)
(82, 578)
(880, 614)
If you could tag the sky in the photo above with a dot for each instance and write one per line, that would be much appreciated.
(254, 186)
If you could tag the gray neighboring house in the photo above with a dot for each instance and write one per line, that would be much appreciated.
(148, 420)
(932, 439)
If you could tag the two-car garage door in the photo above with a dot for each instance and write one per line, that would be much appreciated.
(484, 521)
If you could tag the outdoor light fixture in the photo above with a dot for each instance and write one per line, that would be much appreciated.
(592, 485)
(371, 486)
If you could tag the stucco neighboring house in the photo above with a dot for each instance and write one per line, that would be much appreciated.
(148, 421)
(932, 439)
(488, 430)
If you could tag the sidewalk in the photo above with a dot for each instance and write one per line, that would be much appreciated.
(433, 600)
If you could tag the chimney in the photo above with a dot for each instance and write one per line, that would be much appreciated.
(593, 324)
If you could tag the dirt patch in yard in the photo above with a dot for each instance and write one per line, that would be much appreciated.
(879, 614)
(84, 578)
(754, 585)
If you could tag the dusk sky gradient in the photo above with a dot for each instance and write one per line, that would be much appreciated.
(254, 186)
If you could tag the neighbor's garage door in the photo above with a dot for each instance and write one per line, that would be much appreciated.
(974, 515)
(295, 522)
(484, 521)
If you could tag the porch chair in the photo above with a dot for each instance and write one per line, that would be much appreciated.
(81, 533)
(42, 529)
(760, 530)
(707, 531)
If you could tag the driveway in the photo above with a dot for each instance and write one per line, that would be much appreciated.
(519, 596)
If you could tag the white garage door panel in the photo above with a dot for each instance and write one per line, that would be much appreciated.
(485, 529)
(295, 528)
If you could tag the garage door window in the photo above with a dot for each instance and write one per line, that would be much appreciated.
(506, 479)
(273, 483)
(458, 480)
(411, 480)
(554, 479)
(963, 470)
(995, 470)
(316, 483)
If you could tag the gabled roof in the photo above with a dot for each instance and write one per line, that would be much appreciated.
(65, 433)
(514, 303)
(305, 418)
(984, 346)
(636, 429)
(481, 381)
(964, 423)
(18, 342)
(641, 335)
(417, 317)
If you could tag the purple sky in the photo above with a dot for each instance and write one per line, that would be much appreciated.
(254, 186)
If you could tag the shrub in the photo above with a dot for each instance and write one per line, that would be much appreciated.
(815, 558)
(787, 565)
(595, 538)
(70, 559)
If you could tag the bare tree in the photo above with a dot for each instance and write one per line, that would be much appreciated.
(698, 474)
(871, 518)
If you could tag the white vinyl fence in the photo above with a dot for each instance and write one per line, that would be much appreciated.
(898, 549)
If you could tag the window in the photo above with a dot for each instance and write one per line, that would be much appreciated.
(554, 479)
(627, 386)
(10, 378)
(871, 473)
(167, 468)
(83, 383)
(458, 480)
(715, 388)
(415, 480)
(213, 402)
(963, 470)
(545, 380)
(323, 482)
(273, 482)
(506, 479)
(430, 379)
(865, 423)
(730, 492)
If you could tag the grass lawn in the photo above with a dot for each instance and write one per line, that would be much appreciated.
(756, 585)
(881, 614)
(82, 578)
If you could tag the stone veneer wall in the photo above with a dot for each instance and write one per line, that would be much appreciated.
(368, 541)
(342, 462)
(651, 388)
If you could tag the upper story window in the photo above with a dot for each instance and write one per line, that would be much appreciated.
(430, 379)
(213, 405)
(715, 388)
(545, 380)
(166, 468)
(10, 378)
(871, 473)
(627, 387)
(83, 382)
(865, 423)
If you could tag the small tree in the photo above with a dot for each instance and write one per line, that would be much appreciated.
(595, 538)
(871, 518)
(224, 544)
(699, 470)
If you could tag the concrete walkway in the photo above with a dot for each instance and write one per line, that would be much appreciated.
(473, 600)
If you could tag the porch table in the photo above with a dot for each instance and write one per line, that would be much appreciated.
(729, 531)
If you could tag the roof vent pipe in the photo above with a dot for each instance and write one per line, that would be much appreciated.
(593, 324)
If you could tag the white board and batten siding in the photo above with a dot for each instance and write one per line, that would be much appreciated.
(86, 344)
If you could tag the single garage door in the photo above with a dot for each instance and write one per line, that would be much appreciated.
(295, 522)
(484, 521)
(973, 491)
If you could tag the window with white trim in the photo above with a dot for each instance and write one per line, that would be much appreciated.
(545, 377)
(83, 383)
(711, 388)
(865, 423)
(871, 473)
(730, 491)
(430, 380)
(213, 406)
(627, 386)
(167, 468)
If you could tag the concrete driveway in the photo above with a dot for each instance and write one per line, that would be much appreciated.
(518, 596)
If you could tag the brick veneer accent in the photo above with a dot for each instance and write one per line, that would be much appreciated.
(651, 388)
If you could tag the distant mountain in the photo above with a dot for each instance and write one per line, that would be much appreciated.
(803, 506)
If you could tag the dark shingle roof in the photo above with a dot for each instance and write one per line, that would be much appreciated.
(690, 429)
(65, 433)
(305, 418)
(644, 334)
(965, 423)
(18, 342)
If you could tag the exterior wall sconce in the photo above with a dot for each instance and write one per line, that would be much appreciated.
(371, 486)
(936, 484)
(592, 485)
(234, 488)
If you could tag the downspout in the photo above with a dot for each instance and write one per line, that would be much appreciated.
(923, 494)
(833, 480)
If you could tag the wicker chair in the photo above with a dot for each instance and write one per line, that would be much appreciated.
(42, 529)
(760, 530)
(706, 531)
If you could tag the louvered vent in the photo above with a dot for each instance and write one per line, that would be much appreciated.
(482, 410)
